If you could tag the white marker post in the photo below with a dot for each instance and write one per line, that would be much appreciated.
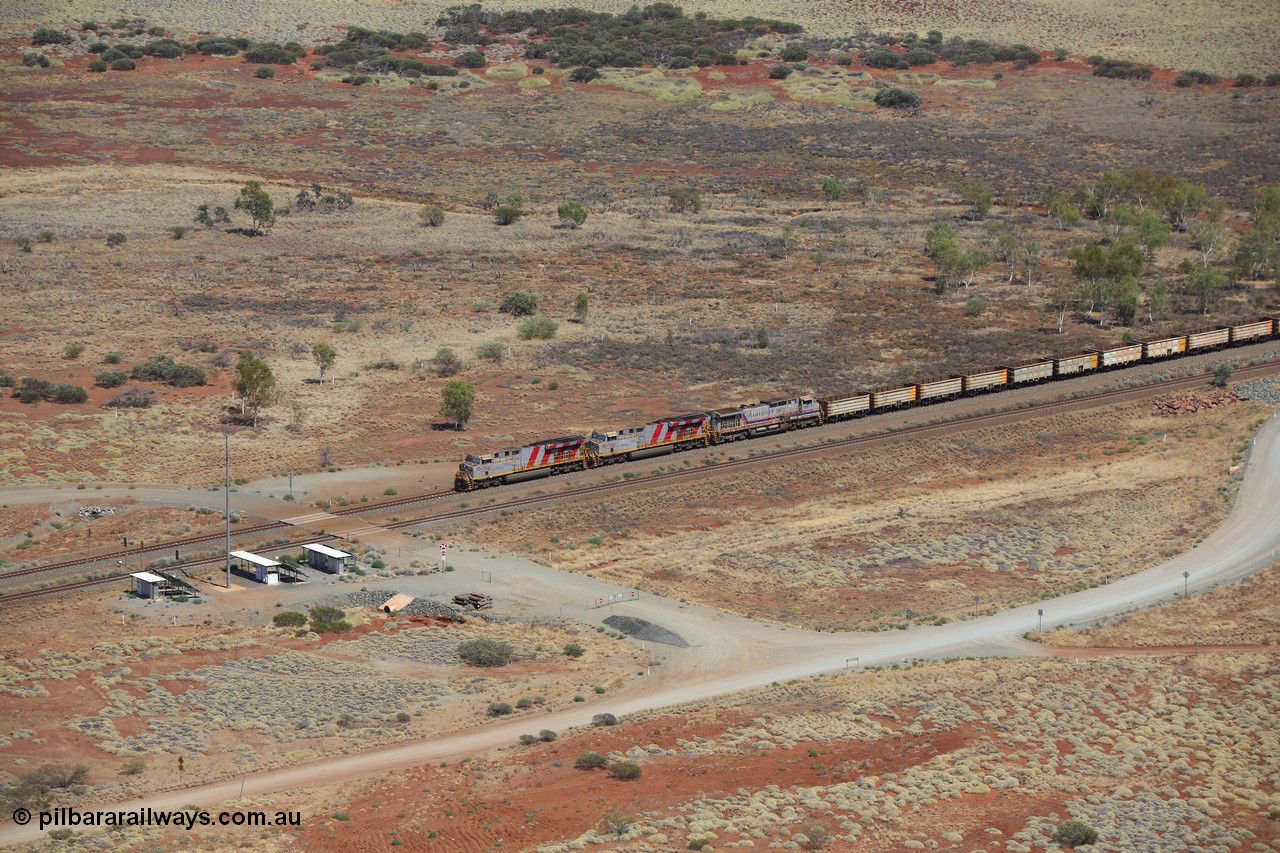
(444, 549)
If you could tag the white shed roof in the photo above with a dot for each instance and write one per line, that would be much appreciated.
(326, 550)
(255, 559)
(146, 576)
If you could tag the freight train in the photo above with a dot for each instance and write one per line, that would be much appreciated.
(718, 426)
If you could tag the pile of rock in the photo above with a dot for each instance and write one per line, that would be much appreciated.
(1262, 390)
(1185, 404)
(95, 511)
(417, 607)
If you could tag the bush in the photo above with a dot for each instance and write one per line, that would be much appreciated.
(898, 99)
(446, 362)
(162, 368)
(73, 350)
(491, 351)
(132, 768)
(780, 72)
(134, 398)
(110, 379)
(499, 709)
(975, 306)
(1075, 833)
(604, 720)
(627, 771)
(325, 618)
(431, 216)
(485, 652)
(1222, 374)
(124, 64)
(115, 238)
(590, 761)
(881, 58)
(684, 200)
(1247, 80)
(111, 358)
(265, 73)
(506, 214)
(528, 740)
(794, 53)
(572, 213)
(48, 35)
(537, 329)
(289, 619)
(270, 54)
(1273, 79)
(519, 304)
(574, 650)
(97, 66)
(46, 236)
(547, 736)
(34, 59)
(69, 394)
(583, 74)
(165, 49)
(470, 59)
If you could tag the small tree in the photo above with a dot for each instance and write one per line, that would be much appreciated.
(1205, 283)
(324, 355)
(977, 194)
(491, 351)
(484, 652)
(684, 200)
(1222, 374)
(572, 213)
(255, 383)
(1075, 833)
(431, 216)
(506, 214)
(590, 761)
(255, 201)
(832, 189)
(762, 338)
(457, 400)
(580, 307)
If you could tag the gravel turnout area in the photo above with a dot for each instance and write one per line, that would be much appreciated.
(647, 631)
(1262, 390)
(417, 607)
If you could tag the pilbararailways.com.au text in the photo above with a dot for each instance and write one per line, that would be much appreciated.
(188, 819)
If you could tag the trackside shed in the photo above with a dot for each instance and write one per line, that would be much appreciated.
(328, 559)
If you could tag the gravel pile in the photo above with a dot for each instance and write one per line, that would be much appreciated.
(417, 607)
(1262, 390)
(647, 631)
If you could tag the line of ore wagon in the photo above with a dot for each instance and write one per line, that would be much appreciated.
(684, 432)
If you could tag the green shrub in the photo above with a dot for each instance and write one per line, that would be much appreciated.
(325, 618)
(491, 351)
(684, 200)
(547, 736)
(583, 74)
(266, 72)
(164, 48)
(470, 59)
(627, 771)
(528, 740)
(115, 238)
(1075, 833)
(506, 214)
(780, 72)
(975, 306)
(73, 350)
(48, 35)
(431, 216)
(572, 213)
(68, 394)
(590, 761)
(485, 652)
(898, 99)
(110, 379)
(124, 64)
(34, 59)
(269, 54)
(794, 53)
(132, 768)
(289, 619)
(97, 66)
(604, 720)
(499, 709)
(574, 650)
(881, 58)
(538, 328)
(162, 368)
(111, 358)
(519, 304)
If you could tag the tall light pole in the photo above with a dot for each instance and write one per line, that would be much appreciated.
(227, 488)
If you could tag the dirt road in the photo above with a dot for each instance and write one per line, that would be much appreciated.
(729, 654)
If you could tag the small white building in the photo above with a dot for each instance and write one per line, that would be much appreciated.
(329, 559)
(147, 585)
(265, 570)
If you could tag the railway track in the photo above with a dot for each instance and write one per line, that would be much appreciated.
(961, 424)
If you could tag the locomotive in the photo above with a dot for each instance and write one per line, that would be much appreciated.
(719, 426)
